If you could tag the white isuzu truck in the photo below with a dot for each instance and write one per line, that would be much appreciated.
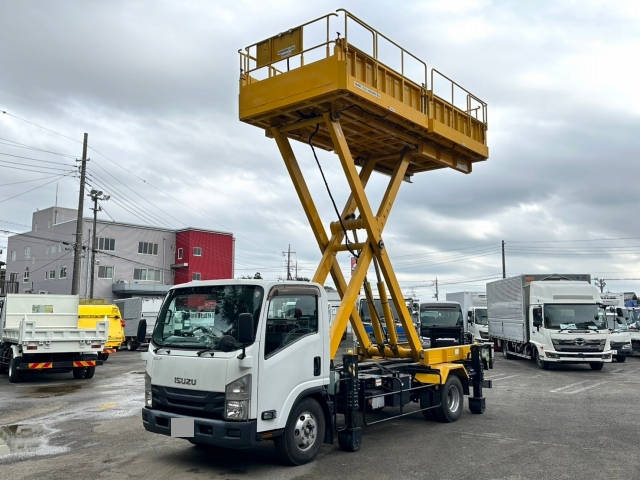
(474, 313)
(235, 362)
(548, 318)
(41, 333)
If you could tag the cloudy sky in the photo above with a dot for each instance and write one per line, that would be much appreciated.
(155, 85)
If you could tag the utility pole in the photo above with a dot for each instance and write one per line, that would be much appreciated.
(288, 254)
(436, 296)
(504, 271)
(77, 247)
(95, 196)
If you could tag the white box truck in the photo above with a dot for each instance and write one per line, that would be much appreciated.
(548, 318)
(41, 333)
(139, 315)
(474, 313)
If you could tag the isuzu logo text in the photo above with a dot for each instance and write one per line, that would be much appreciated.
(184, 381)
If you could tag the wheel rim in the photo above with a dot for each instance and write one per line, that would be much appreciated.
(305, 431)
(453, 399)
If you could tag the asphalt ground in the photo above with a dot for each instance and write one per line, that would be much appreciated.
(566, 423)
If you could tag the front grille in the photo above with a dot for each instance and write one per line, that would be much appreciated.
(484, 335)
(578, 345)
(196, 403)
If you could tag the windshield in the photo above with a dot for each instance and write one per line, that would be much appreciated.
(481, 316)
(365, 315)
(573, 317)
(440, 317)
(206, 317)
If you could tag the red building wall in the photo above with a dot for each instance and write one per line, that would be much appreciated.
(216, 260)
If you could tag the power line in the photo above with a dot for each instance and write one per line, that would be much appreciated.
(37, 159)
(13, 143)
(11, 167)
(27, 181)
(36, 187)
(40, 126)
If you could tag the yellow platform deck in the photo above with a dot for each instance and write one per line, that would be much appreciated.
(286, 85)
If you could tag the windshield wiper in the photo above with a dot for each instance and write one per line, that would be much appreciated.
(206, 350)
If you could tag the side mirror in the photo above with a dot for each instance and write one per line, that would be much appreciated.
(245, 328)
(537, 317)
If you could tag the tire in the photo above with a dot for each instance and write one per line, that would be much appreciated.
(15, 375)
(505, 352)
(596, 365)
(78, 373)
(451, 400)
(541, 364)
(89, 372)
(304, 433)
(103, 356)
(132, 345)
(621, 358)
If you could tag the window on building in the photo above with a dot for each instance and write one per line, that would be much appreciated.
(148, 248)
(146, 274)
(106, 244)
(52, 274)
(46, 275)
(63, 272)
(197, 251)
(196, 276)
(105, 272)
(27, 253)
(26, 275)
(13, 255)
(179, 254)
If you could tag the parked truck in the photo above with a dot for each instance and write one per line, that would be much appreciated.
(139, 315)
(235, 362)
(89, 315)
(442, 323)
(474, 313)
(41, 333)
(548, 318)
(618, 319)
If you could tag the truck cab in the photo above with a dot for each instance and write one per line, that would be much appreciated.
(478, 324)
(617, 320)
(442, 323)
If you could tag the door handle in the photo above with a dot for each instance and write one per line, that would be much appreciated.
(316, 366)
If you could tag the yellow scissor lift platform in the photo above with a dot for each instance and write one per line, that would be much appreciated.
(338, 96)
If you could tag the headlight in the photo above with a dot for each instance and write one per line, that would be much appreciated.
(148, 399)
(237, 397)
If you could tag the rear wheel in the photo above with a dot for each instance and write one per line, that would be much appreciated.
(132, 345)
(84, 372)
(451, 400)
(304, 433)
(103, 356)
(596, 365)
(15, 375)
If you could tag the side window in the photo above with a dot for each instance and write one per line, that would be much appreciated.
(290, 317)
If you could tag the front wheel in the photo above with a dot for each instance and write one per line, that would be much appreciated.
(621, 358)
(451, 401)
(541, 364)
(300, 442)
(596, 365)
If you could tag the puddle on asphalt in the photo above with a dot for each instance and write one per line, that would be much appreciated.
(22, 440)
(56, 390)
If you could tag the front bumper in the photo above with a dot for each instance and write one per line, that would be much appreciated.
(205, 430)
(578, 357)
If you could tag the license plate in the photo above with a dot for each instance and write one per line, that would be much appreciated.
(182, 427)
